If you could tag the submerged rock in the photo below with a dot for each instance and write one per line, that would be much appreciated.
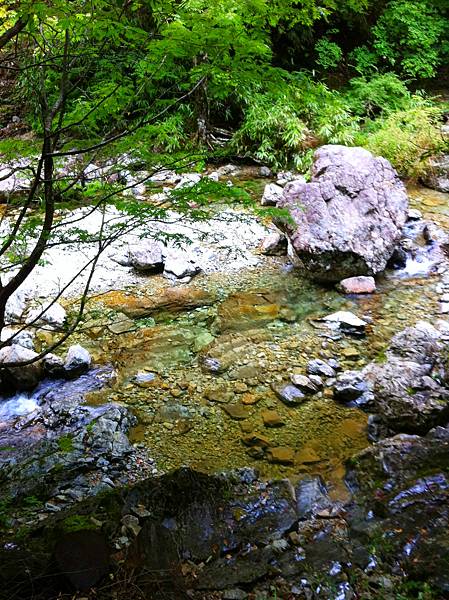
(172, 301)
(289, 394)
(349, 218)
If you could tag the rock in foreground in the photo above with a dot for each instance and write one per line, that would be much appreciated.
(349, 218)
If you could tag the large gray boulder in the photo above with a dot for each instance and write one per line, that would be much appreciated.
(349, 218)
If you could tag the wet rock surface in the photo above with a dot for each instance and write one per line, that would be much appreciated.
(349, 218)
(219, 534)
(407, 392)
(64, 449)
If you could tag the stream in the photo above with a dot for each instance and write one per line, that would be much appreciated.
(260, 325)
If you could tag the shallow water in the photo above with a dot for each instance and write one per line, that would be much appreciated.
(263, 325)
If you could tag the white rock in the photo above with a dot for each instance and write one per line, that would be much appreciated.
(228, 170)
(180, 265)
(414, 214)
(284, 177)
(265, 171)
(344, 318)
(271, 195)
(24, 338)
(54, 316)
(16, 306)
(165, 176)
(78, 361)
(53, 365)
(275, 244)
(14, 178)
(23, 377)
(188, 180)
(146, 256)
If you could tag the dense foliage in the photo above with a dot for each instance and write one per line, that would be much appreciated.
(274, 79)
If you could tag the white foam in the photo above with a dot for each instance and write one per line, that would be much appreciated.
(19, 405)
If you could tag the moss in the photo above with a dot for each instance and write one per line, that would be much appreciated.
(77, 523)
(65, 443)
(381, 357)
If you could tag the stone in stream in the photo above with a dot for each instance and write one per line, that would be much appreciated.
(220, 394)
(350, 353)
(316, 380)
(304, 383)
(53, 365)
(410, 389)
(403, 481)
(349, 218)
(54, 316)
(256, 439)
(271, 195)
(144, 380)
(275, 244)
(272, 418)
(21, 377)
(282, 455)
(357, 285)
(414, 214)
(320, 367)
(237, 412)
(289, 394)
(78, 361)
(21, 337)
(188, 180)
(351, 386)
(179, 265)
(246, 310)
(311, 497)
(347, 322)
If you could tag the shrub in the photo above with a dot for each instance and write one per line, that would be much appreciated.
(280, 127)
(406, 137)
(382, 93)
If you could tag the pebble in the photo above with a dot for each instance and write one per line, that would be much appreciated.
(271, 418)
(283, 455)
